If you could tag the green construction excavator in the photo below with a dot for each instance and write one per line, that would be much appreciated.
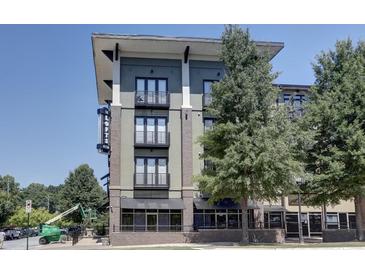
(51, 233)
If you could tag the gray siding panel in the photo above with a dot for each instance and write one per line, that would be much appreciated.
(204, 70)
(131, 68)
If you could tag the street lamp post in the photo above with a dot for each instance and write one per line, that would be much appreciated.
(300, 225)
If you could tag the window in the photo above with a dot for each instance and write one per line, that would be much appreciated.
(221, 219)
(352, 221)
(151, 220)
(332, 220)
(175, 221)
(275, 220)
(292, 223)
(233, 221)
(127, 220)
(151, 171)
(151, 91)
(296, 101)
(151, 130)
(217, 218)
(208, 124)
(207, 89)
(343, 220)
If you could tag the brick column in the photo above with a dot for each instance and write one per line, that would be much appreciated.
(114, 192)
(187, 167)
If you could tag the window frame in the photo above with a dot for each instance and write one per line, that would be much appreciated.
(145, 167)
(146, 83)
(155, 117)
(204, 92)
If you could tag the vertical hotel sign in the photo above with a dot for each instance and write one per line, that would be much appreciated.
(103, 145)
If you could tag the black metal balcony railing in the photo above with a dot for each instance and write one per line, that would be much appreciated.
(152, 180)
(152, 138)
(152, 99)
(207, 99)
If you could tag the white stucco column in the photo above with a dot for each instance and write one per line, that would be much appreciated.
(116, 83)
(185, 84)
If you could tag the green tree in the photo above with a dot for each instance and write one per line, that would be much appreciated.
(55, 197)
(10, 197)
(7, 207)
(252, 146)
(38, 194)
(82, 187)
(336, 116)
(38, 216)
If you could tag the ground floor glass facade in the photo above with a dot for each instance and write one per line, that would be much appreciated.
(163, 220)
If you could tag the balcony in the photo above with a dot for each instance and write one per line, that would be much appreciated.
(207, 99)
(152, 139)
(152, 99)
(151, 180)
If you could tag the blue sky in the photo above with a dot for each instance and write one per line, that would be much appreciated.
(48, 121)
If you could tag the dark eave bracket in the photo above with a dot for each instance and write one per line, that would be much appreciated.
(109, 54)
(109, 83)
(116, 52)
(186, 54)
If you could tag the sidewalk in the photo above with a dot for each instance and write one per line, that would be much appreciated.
(94, 244)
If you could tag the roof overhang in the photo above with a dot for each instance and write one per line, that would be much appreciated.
(155, 47)
(293, 87)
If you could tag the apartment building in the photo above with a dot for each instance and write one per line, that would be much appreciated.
(154, 90)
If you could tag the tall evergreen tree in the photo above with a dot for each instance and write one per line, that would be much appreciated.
(252, 146)
(82, 187)
(336, 116)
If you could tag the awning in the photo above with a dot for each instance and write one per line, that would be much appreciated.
(223, 204)
(131, 203)
(272, 208)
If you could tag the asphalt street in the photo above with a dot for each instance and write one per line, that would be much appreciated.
(21, 244)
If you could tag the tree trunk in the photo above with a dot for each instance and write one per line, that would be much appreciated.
(360, 212)
(244, 207)
(324, 217)
(258, 215)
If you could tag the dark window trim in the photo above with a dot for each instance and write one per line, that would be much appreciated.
(208, 118)
(208, 80)
(151, 78)
(155, 117)
(151, 157)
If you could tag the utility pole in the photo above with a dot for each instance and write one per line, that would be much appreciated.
(28, 210)
(28, 233)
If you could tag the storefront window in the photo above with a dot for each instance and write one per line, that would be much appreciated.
(127, 221)
(163, 222)
(209, 220)
(175, 221)
(151, 220)
(221, 220)
(275, 220)
(332, 221)
(232, 221)
(352, 221)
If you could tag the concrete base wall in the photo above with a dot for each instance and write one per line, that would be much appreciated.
(266, 235)
(339, 235)
(202, 236)
(146, 238)
(214, 235)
